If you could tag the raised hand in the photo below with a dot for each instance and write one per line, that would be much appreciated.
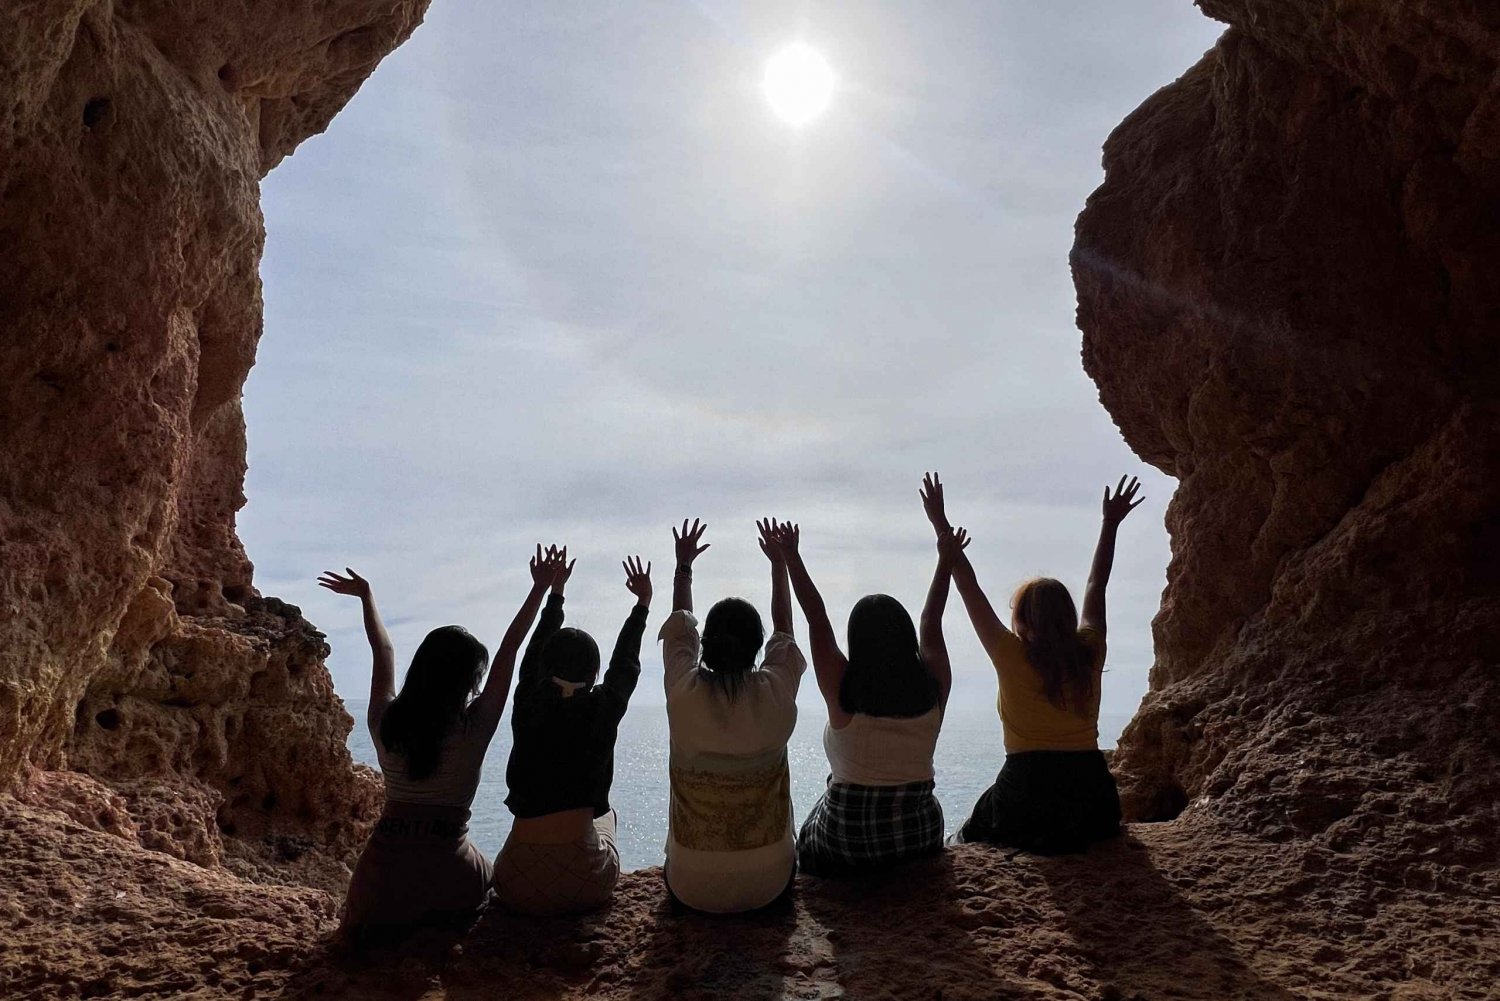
(686, 543)
(932, 502)
(951, 544)
(770, 543)
(353, 585)
(545, 566)
(1122, 502)
(564, 570)
(786, 537)
(638, 581)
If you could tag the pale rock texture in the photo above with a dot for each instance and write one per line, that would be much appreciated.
(133, 645)
(1289, 296)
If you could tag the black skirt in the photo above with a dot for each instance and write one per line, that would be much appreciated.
(1048, 802)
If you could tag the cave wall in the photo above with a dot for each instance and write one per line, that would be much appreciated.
(1289, 290)
(145, 685)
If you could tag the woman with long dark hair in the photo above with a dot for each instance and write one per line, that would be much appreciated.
(885, 707)
(1055, 794)
(729, 830)
(419, 866)
(560, 856)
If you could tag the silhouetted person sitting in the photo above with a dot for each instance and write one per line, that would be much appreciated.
(560, 857)
(885, 707)
(729, 840)
(419, 866)
(1054, 794)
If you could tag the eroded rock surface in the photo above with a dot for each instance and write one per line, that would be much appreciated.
(1189, 909)
(1287, 287)
(133, 644)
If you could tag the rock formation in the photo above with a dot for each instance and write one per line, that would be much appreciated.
(145, 686)
(1287, 287)
(1288, 296)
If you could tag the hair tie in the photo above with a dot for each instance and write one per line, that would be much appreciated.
(568, 687)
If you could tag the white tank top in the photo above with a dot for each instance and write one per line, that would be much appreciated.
(883, 750)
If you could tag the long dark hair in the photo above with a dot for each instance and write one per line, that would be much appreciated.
(434, 696)
(732, 635)
(886, 675)
(1048, 624)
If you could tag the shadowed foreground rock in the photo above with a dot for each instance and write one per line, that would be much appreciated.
(1186, 910)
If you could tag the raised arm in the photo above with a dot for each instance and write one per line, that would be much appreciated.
(782, 541)
(933, 646)
(383, 668)
(688, 550)
(625, 663)
(987, 625)
(491, 701)
(781, 593)
(1116, 507)
(551, 622)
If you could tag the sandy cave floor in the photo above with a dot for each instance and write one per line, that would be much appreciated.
(1180, 910)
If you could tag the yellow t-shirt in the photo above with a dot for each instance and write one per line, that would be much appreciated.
(1030, 722)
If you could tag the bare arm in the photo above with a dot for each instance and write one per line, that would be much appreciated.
(987, 625)
(491, 701)
(688, 550)
(383, 668)
(780, 541)
(1116, 507)
(781, 592)
(933, 647)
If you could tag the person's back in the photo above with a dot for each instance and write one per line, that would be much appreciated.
(1031, 721)
(1054, 794)
(729, 845)
(885, 703)
(419, 865)
(561, 856)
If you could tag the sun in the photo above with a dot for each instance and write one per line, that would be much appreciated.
(798, 83)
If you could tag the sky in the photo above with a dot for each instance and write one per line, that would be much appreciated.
(558, 273)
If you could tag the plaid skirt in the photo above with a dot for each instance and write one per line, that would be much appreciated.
(857, 827)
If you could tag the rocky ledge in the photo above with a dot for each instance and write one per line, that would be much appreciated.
(1187, 909)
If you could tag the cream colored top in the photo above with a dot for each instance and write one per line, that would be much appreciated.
(883, 750)
(730, 844)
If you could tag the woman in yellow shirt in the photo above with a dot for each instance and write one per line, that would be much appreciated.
(1054, 794)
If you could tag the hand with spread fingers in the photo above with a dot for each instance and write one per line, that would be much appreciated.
(686, 542)
(638, 581)
(932, 502)
(951, 545)
(550, 568)
(786, 537)
(353, 585)
(1123, 501)
(770, 539)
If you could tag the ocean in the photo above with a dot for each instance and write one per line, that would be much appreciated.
(969, 753)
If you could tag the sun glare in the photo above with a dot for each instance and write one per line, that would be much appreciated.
(799, 84)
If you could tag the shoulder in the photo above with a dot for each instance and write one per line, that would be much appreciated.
(782, 649)
(680, 625)
(1009, 650)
